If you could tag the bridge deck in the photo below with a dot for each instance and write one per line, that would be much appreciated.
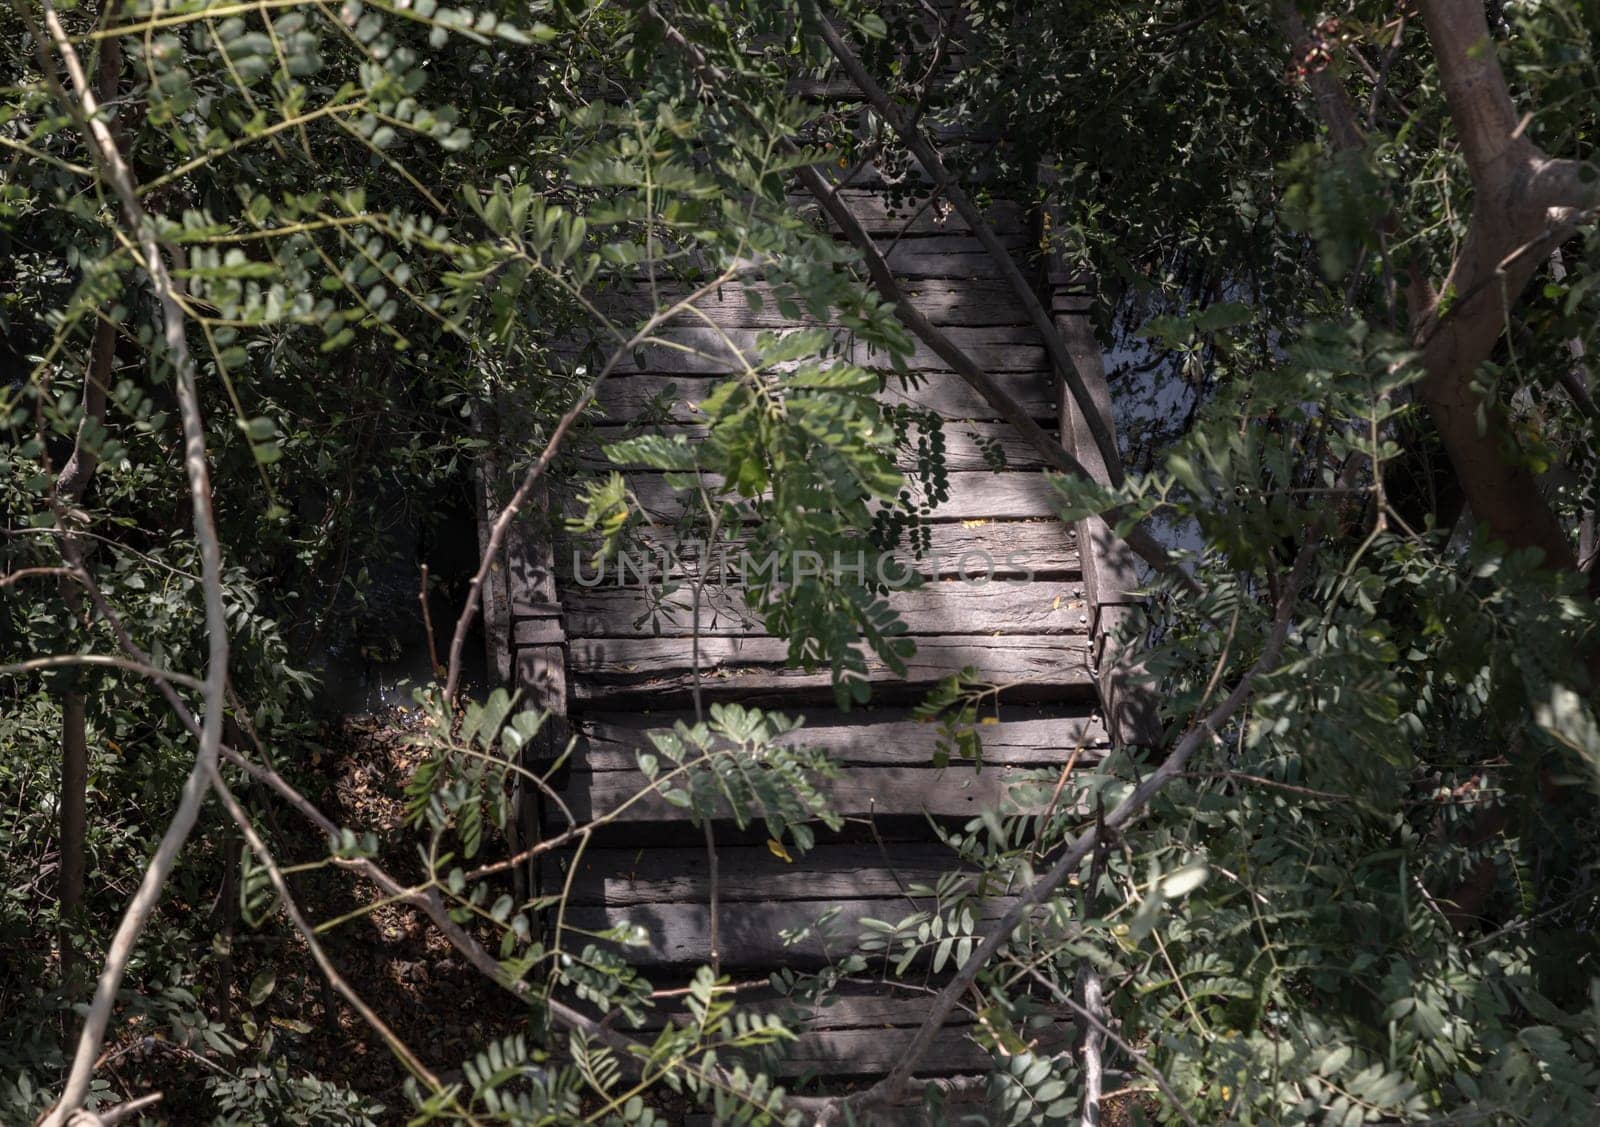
(617, 664)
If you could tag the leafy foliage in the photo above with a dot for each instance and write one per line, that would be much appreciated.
(409, 236)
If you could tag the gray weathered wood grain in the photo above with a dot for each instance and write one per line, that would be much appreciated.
(973, 495)
(1028, 735)
(949, 792)
(955, 607)
(1027, 665)
(854, 1005)
(945, 302)
(625, 397)
(750, 933)
(663, 875)
(965, 445)
(697, 349)
(1039, 549)
(995, 349)
(949, 256)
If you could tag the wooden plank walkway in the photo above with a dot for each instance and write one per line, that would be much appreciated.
(615, 660)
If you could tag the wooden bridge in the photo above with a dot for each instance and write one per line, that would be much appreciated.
(592, 654)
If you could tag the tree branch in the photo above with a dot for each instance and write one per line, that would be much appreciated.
(84, 108)
(1524, 201)
(1475, 90)
(928, 155)
(1126, 812)
(497, 531)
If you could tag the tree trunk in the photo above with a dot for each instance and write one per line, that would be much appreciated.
(74, 822)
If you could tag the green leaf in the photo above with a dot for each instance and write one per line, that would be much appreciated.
(261, 986)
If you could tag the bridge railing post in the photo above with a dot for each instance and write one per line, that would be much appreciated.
(524, 636)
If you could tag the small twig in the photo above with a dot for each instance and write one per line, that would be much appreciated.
(1382, 84)
(1061, 782)
(427, 625)
(1259, 780)
(31, 572)
(1110, 1035)
(712, 895)
(888, 862)
(1091, 1015)
(108, 661)
(109, 1116)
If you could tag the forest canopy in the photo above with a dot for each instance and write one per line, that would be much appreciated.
(306, 308)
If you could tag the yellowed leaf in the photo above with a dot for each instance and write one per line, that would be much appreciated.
(775, 847)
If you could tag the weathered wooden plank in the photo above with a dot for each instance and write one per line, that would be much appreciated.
(541, 674)
(1002, 348)
(870, 1052)
(751, 933)
(881, 212)
(966, 445)
(973, 495)
(1037, 550)
(622, 877)
(970, 301)
(613, 668)
(626, 397)
(854, 1006)
(1021, 735)
(961, 1107)
(696, 349)
(693, 348)
(949, 792)
(957, 607)
(946, 303)
(950, 256)
(875, 1011)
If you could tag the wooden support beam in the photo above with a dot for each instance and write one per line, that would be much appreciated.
(1110, 568)
(539, 664)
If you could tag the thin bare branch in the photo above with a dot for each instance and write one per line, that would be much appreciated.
(104, 661)
(497, 531)
(83, 106)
